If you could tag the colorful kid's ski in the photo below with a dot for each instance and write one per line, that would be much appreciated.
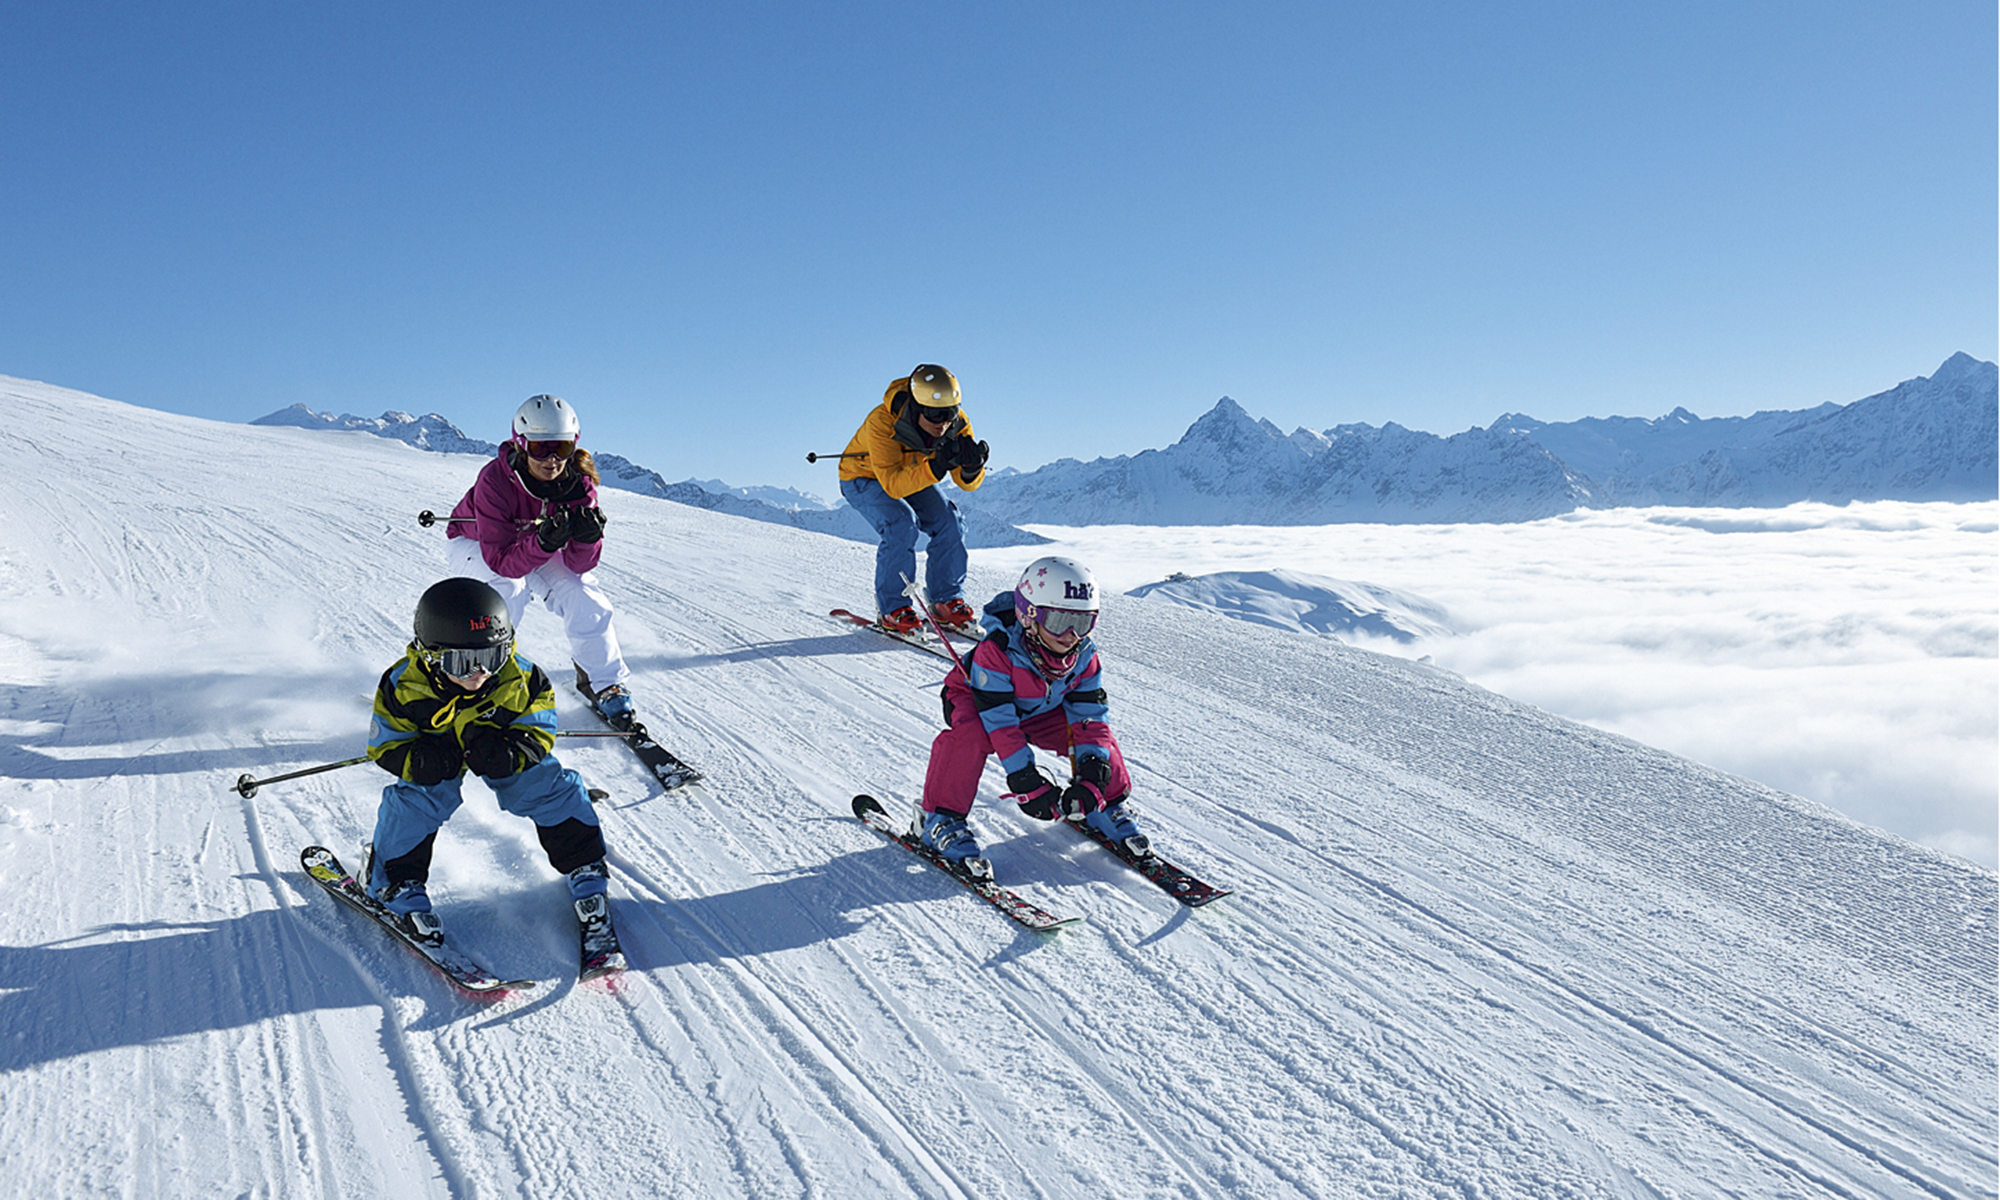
(1022, 911)
(464, 974)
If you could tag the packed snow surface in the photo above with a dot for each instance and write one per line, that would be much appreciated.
(1476, 950)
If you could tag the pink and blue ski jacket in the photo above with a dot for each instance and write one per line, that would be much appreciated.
(505, 512)
(1006, 688)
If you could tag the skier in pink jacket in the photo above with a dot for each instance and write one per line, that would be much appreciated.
(1036, 681)
(530, 525)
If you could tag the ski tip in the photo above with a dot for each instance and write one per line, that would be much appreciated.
(865, 804)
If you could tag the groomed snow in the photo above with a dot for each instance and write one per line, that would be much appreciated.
(1477, 950)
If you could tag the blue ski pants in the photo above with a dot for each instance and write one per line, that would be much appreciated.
(547, 793)
(896, 522)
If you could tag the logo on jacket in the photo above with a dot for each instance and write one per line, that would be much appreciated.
(1075, 591)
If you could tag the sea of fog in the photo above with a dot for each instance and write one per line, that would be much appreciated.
(1845, 654)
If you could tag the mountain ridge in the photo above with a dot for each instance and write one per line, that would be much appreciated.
(1928, 438)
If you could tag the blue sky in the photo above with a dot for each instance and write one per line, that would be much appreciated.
(719, 230)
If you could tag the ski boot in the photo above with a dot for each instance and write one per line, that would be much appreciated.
(599, 949)
(1117, 822)
(957, 616)
(616, 705)
(902, 620)
(411, 905)
(948, 836)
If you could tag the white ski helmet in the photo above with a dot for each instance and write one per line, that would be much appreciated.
(545, 419)
(1056, 582)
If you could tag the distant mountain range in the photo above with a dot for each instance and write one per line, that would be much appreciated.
(1927, 439)
(774, 505)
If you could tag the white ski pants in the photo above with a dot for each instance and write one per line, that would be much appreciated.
(584, 610)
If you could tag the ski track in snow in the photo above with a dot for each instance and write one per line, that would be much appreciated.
(1476, 950)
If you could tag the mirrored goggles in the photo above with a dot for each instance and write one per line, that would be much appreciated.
(551, 449)
(1060, 621)
(462, 664)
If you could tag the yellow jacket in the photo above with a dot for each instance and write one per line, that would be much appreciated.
(890, 449)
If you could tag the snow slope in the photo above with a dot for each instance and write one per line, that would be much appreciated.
(1477, 950)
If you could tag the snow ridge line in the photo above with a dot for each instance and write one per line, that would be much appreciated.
(839, 1067)
(400, 1056)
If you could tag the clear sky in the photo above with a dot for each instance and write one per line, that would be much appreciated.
(721, 229)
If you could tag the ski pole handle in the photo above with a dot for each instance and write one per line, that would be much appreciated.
(813, 457)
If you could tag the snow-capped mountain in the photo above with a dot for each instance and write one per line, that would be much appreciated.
(1927, 439)
(777, 506)
(1233, 469)
(1307, 603)
(1475, 950)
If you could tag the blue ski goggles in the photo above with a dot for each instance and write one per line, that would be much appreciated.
(464, 663)
(1060, 621)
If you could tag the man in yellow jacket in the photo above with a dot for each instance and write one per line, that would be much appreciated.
(910, 443)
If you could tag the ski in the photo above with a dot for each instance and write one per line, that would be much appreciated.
(920, 640)
(599, 954)
(666, 766)
(1169, 878)
(1020, 910)
(464, 974)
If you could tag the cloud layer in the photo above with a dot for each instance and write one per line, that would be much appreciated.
(1843, 654)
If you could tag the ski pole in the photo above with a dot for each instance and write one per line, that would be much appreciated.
(427, 518)
(916, 593)
(247, 787)
(812, 457)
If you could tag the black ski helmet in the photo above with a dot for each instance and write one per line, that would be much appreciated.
(462, 614)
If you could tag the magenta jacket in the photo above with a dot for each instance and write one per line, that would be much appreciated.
(504, 512)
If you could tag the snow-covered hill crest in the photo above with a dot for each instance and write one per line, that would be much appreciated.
(433, 432)
(1475, 950)
(1927, 439)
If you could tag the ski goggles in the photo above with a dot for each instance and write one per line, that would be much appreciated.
(937, 416)
(464, 663)
(561, 449)
(1060, 621)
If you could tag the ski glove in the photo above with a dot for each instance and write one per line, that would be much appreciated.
(431, 759)
(1085, 793)
(495, 753)
(944, 456)
(554, 531)
(971, 454)
(1035, 792)
(586, 525)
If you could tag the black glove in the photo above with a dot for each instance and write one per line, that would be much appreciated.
(1035, 792)
(553, 532)
(1085, 793)
(432, 759)
(971, 454)
(586, 525)
(944, 456)
(496, 753)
